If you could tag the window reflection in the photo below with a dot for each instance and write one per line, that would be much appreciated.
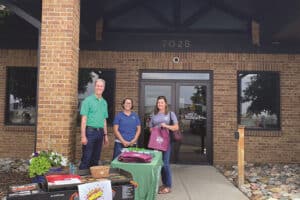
(151, 94)
(87, 78)
(21, 96)
(259, 96)
(192, 115)
(192, 102)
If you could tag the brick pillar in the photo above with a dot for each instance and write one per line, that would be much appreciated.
(58, 76)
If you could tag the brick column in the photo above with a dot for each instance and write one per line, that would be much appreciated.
(58, 76)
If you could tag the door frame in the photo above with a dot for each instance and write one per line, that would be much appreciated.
(175, 86)
(208, 141)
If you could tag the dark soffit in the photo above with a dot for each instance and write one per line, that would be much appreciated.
(125, 19)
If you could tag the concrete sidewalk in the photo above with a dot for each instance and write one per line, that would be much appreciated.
(200, 182)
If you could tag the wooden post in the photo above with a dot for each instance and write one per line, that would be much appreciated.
(99, 29)
(241, 161)
(255, 33)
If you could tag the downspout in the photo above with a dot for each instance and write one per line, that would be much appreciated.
(37, 88)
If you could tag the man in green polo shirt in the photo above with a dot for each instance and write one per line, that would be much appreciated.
(93, 126)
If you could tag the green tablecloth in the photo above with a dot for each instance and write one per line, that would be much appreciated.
(145, 174)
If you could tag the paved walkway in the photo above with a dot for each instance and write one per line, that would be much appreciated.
(200, 182)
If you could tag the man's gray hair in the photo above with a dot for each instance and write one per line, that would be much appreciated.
(100, 80)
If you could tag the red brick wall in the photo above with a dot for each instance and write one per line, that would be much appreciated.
(263, 146)
(260, 146)
(58, 79)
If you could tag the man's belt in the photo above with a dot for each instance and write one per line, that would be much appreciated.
(94, 129)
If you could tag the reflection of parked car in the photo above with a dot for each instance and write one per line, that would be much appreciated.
(193, 116)
(190, 116)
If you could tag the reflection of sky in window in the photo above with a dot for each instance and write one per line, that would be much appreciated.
(152, 92)
(90, 86)
(245, 82)
(185, 94)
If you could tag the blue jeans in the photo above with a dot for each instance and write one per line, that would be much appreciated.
(166, 174)
(92, 150)
(117, 149)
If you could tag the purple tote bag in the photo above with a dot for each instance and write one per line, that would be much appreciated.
(135, 157)
(159, 139)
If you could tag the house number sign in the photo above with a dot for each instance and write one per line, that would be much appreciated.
(176, 44)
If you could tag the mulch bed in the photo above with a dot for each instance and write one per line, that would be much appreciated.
(12, 178)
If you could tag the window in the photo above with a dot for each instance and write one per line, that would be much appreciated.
(175, 76)
(259, 100)
(21, 93)
(86, 82)
(21, 96)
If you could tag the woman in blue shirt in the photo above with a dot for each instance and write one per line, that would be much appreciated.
(127, 127)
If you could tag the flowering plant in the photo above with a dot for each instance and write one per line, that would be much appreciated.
(42, 161)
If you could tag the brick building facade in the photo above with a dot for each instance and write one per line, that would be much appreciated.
(260, 146)
(60, 60)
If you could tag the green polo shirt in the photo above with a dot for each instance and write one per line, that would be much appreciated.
(95, 110)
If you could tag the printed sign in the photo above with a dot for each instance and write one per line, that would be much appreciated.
(100, 190)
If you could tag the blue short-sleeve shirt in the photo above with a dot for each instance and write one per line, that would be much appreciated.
(127, 124)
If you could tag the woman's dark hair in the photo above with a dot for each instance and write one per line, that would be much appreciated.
(156, 110)
(123, 102)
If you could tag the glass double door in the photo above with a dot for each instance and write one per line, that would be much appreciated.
(191, 103)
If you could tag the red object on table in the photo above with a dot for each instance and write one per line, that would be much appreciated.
(61, 177)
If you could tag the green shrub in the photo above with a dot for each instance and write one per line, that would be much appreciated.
(39, 166)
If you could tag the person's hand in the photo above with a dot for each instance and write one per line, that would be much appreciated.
(164, 125)
(84, 140)
(131, 143)
(126, 143)
(105, 140)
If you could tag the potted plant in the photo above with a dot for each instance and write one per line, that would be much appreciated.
(42, 162)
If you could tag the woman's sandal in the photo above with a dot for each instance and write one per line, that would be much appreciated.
(161, 187)
(164, 190)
